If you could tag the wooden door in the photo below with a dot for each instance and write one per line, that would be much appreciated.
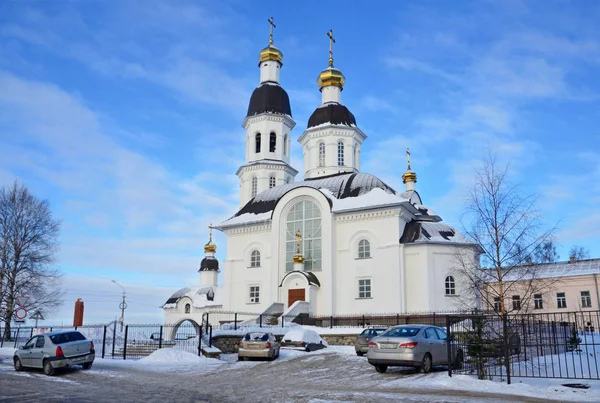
(295, 295)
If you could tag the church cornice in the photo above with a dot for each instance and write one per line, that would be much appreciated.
(265, 165)
(267, 117)
(367, 216)
(244, 229)
(331, 131)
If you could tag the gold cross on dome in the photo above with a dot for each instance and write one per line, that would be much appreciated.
(331, 42)
(272, 24)
(298, 237)
(408, 154)
(210, 232)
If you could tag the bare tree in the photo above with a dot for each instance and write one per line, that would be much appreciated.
(545, 253)
(503, 221)
(579, 252)
(28, 244)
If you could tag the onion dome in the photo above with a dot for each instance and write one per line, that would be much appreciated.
(331, 76)
(209, 264)
(409, 176)
(332, 113)
(269, 97)
(270, 53)
(210, 246)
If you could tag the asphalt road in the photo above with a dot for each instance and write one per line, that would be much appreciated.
(305, 378)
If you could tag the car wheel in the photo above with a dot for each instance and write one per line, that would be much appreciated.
(18, 365)
(381, 368)
(307, 349)
(360, 353)
(48, 369)
(458, 360)
(426, 364)
(87, 365)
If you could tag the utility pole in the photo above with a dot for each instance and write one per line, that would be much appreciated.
(122, 305)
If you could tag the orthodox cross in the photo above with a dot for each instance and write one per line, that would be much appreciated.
(298, 236)
(331, 42)
(272, 24)
(408, 154)
(210, 233)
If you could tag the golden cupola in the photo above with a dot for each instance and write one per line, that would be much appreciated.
(210, 246)
(270, 52)
(409, 177)
(331, 76)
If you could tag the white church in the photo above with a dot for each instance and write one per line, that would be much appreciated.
(338, 241)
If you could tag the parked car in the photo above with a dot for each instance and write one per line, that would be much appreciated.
(361, 343)
(419, 346)
(303, 339)
(53, 350)
(258, 345)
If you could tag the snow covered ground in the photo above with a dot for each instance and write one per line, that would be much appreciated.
(337, 363)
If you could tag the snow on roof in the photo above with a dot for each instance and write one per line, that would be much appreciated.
(201, 297)
(553, 270)
(416, 232)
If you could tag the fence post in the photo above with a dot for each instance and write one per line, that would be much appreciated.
(114, 338)
(125, 343)
(104, 341)
(449, 346)
(235, 321)
(282, 321)
(31, 334)
(200, 342)
(331, 322)
(2, 336)
(259, 322)
(506, 347)
(397, 319)
(160, 337)
(363, 317)
(50, 329)
(434, 319)
(17, 337)
(210, 336)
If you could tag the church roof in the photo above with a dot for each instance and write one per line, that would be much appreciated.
(269, 97)
(345, 192)
(431, 232)
(201, 297)
(331, 113)
(209, 264)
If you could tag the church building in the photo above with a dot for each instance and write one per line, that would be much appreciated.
(335, 241)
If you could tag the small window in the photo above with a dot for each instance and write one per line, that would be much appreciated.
(257, 143)
(254, 294)
(321, 154)
(561, 300)
(272, 182)
(430, 333)
(538, 302)
(497, 304)
(30, 343)
(450, 286)
(40, 342)
(516, 302)
(254, 186)
(285, 145)
(272, 142)
(255, 259)
(364, 249)
(586, 299)
(364, 288)
(188, 307)
(340, 153)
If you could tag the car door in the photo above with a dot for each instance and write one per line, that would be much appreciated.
(37, 352)
(25, 353)
(436, 346)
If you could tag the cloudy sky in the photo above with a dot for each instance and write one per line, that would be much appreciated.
(126, 116)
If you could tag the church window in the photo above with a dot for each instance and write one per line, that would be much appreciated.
(255, 259)
(254, 186)
(321, 154)
(305, 217)
(272, 142)
(364, 249)
(254, 294)
(450, 286)
(340, 153)
(257, 143)
(285, 145)
(272, 182)
(188, 307)
(364, 288)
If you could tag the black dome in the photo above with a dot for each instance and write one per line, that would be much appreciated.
(269, 97)
(209, 264)
(333, 113)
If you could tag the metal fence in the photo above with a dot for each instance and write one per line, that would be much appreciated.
(546, 345)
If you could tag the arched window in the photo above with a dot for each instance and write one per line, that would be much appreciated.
(285, 145)
(321, 154)
(257, 143)
(340, 153)
(188, 307)
(255, 259)
(364, 249)
(272, 182)
(272, 142)
(305, 217)
(450, 286)
(254, 186)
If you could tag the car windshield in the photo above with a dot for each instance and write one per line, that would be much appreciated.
(402, 332)
(66, 337)
(256, 337)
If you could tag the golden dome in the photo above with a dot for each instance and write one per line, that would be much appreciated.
(331, 76)
(409, 176)
(270, 53)
(210, 247)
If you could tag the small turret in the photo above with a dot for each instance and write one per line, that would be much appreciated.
(409, 177)
(209, 267)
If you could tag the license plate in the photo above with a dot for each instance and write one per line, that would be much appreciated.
(77, 360)
(388, 345)
(255, 346)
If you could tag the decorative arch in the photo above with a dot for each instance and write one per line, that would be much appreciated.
(360, 235)
(188, 308)
(364, 249)
(255, 258)
(170, 335)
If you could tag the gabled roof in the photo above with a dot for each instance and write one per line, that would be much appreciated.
(416, 232)
(201, 297)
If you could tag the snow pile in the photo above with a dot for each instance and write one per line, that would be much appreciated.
(171, 355)
(305, 335)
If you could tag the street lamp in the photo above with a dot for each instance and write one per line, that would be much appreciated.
(122, 305)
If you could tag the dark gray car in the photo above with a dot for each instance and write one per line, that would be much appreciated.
(361, 343)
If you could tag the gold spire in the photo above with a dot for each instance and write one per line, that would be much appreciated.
(409, 176)
(331, 75)
(298, 258)
(271, 52)
(210, 246)
(331, 42)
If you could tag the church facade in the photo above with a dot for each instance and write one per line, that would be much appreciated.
(337, 241)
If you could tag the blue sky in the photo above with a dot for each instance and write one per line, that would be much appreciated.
(127, 117)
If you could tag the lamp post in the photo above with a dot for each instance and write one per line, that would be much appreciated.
(122, 305)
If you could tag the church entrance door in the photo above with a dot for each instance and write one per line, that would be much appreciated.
(295, 295)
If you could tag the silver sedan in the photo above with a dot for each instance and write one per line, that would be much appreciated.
(419, 346)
